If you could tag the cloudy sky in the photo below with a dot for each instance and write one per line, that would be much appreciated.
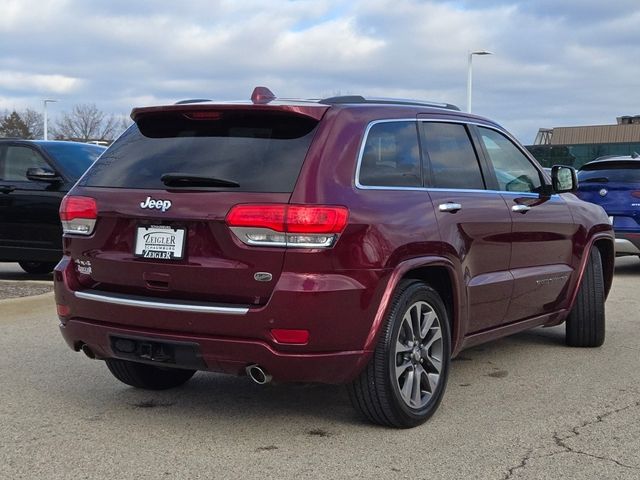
(555, 63)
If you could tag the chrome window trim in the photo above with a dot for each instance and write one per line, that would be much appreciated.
(513, 140)
(180, 307)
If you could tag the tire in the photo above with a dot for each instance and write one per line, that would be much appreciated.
(586, 322)
(148, 377)
(385, 392)
(37, 268)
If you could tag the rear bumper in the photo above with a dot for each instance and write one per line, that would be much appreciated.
(227, 355)
(337, 310)
(627, 243)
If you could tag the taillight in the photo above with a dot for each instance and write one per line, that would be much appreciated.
(281, 225)
(78, 214)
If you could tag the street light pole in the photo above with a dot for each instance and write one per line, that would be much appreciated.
(45, 117)
(470, 74)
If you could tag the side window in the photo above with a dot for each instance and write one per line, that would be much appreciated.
(17, 160)
(514, 171)
(452, 159)
(391, 156)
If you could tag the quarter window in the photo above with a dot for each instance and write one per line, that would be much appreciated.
(452, 158)
(514, 171)
(391, 156)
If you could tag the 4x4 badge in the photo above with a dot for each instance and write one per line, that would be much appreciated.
(163, 205)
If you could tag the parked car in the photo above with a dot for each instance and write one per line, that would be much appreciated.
(34, 176)
(346, 240)
(613, 182)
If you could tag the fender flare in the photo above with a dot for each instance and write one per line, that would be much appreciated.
(458, 310)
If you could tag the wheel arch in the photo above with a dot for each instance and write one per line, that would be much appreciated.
(441, 275)
(605, 245)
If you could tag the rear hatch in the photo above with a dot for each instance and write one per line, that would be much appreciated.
(164, 188)
(614, 185)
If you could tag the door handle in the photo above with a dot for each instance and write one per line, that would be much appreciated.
(521, 208)
(450, 207)
(7, 188)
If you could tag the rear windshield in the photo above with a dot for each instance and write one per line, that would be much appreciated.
(75, 158)
(259, 151)
(624, 172)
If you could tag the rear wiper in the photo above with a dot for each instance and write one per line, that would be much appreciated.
(193, 180)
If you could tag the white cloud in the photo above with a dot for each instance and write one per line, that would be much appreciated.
(555, 63)
(38, 82)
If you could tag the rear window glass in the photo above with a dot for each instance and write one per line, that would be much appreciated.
(259, 151)
(624, 172)
(391, 156)
(452, 158)
(74, 158)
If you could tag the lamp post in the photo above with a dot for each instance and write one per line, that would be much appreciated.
(469, 74)
(45, 116)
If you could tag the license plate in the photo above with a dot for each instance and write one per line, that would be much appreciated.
(160, 242)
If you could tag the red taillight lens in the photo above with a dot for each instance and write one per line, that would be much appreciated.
(78, 214)
(304, 219)
(259, 216)
(78, 207)
(282, 225)
(290, 218)
(286, 335)
(636, 194)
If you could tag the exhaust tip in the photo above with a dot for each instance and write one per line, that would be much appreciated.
(258, 374)
(87, 351)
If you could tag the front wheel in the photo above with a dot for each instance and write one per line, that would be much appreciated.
(586, 322)
(148, 377)
(405, 379)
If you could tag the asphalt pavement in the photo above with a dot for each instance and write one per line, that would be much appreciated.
(524, 407)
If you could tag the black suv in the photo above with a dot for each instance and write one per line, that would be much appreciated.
(34, 176)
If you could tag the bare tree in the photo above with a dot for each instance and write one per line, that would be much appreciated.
(86, 122)
(34, 122)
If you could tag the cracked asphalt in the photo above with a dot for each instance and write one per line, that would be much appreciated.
(524, 407)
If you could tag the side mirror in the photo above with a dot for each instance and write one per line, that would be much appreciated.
(564, 179)
(39, 174)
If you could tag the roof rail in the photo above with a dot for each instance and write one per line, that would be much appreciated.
(393, 101)
(192, 100)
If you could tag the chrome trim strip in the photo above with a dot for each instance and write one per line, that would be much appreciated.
(180, 307)
(359, 186)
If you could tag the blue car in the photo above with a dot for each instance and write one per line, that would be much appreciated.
(614, 184)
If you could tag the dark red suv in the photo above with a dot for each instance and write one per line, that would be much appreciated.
(346, 240)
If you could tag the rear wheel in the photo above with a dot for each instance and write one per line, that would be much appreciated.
(586, 322)
(37, 268)
(405, 379)
(149, 377)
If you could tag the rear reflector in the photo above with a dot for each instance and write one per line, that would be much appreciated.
(635, 194)
(285, 335)
(78, 214)
(63, 310)
(283, 225)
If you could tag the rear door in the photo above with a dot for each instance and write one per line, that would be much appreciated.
(474, 223)
(28, 209)
(256, 156)
(543, 229)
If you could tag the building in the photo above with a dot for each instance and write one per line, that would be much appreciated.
(575, 146)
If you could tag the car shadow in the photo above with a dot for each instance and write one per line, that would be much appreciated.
(627, 266)
(13, 272)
